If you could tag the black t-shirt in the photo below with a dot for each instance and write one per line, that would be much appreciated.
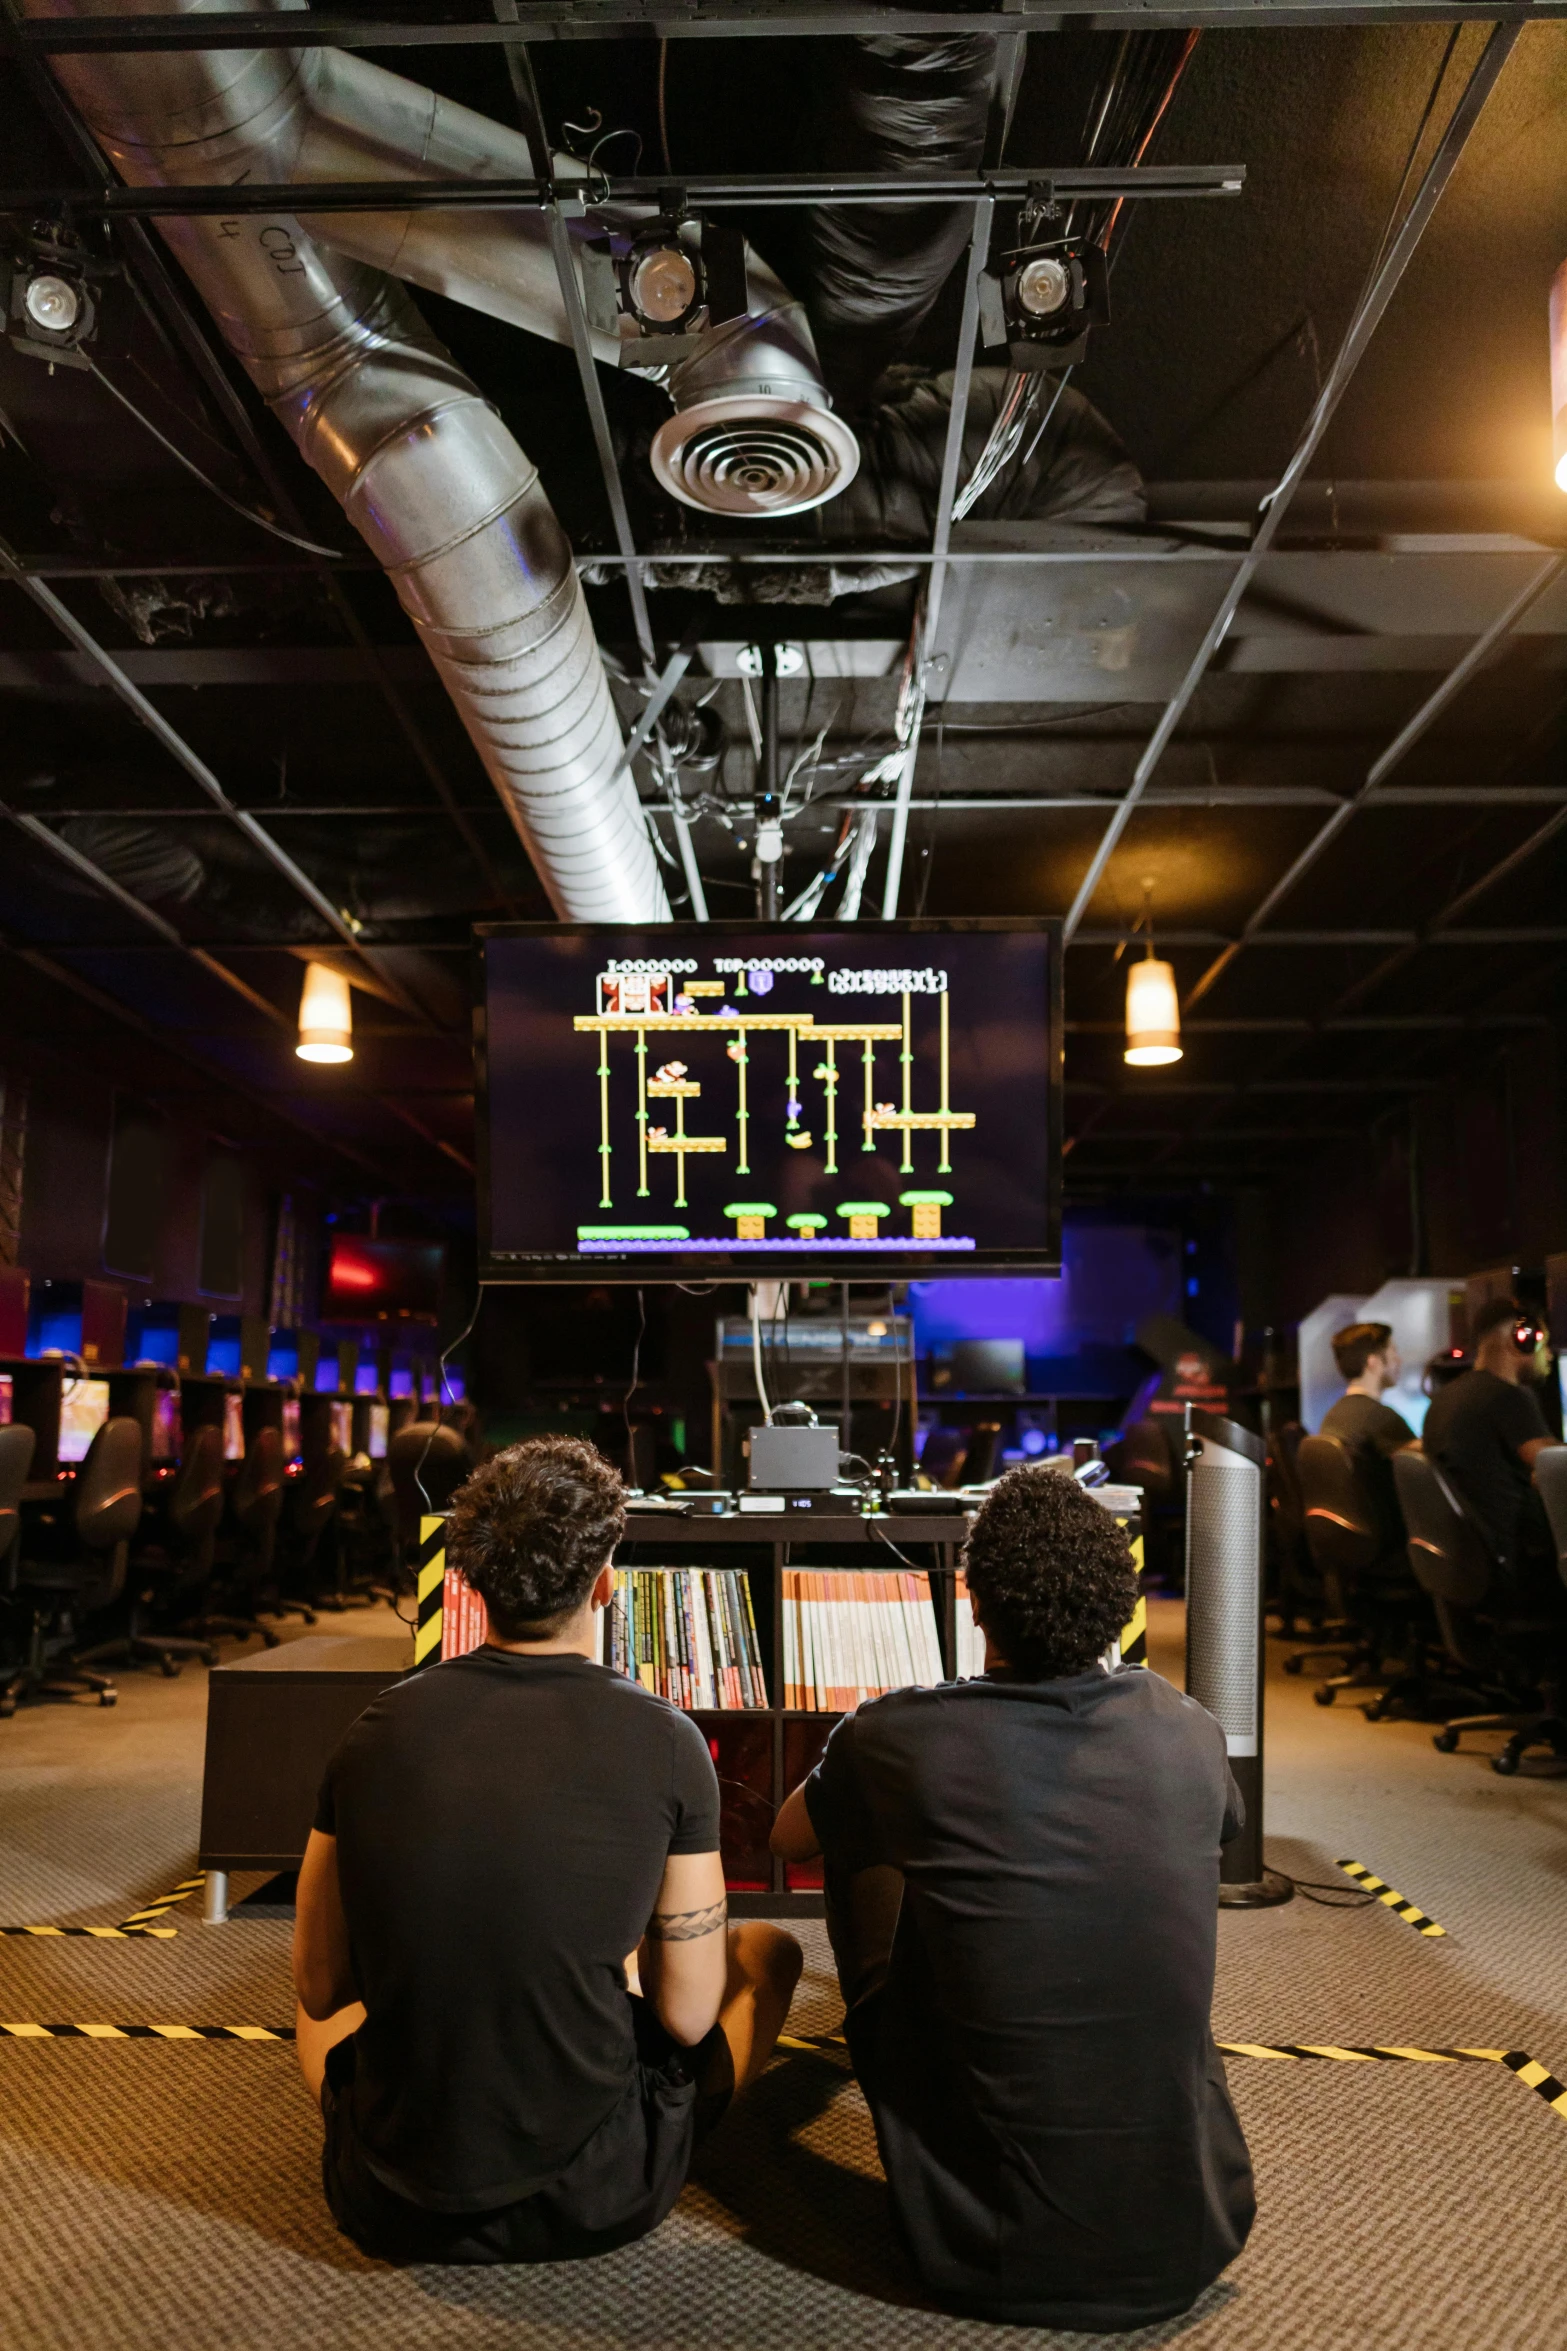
(1051, 2113)
(1473, 1430)
(502, 1824)
(1373, 1433)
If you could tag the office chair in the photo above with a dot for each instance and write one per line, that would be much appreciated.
(1364, 1570)
(248, 1581)
(310, 1517)
(1145, 1456)
(16, 1459)
(106, 1508)
(1481, 1632)
(177, 1563)
(1297, 1596)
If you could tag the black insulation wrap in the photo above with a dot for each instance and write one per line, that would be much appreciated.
(891, 103)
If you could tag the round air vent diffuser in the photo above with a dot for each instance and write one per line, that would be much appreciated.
(750, 454)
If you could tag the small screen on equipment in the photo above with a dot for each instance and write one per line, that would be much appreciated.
(84, 1407)
(291, 1428)
(343, 1427)
(380, 1431)
(166, 1433)
(7, 1391)
(233, 1425)
(382, 1280)
(858, 1101)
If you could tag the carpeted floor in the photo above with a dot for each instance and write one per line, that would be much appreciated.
(165, 2195)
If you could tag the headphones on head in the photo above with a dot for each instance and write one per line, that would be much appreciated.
(1527, 1334)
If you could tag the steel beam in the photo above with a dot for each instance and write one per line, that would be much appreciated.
(699, 191)
(594, 20)
(197, 769)
(1379, 293)
(929, 620)
(1479, 653)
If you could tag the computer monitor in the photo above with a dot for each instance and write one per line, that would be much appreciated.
(343, 1425)
(291, 1428)
(7, 1394)
(380, 1431)
(167, 1434)
(84, 1407)
(385, 1281)
(849, 1101)
(988, 1367)
(233, 1425)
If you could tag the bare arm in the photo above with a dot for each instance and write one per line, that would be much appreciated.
(1531, 1449)
(793, 1837)
(323, 1974)
(683, 1961)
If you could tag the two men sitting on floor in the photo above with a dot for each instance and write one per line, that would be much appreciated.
(520, 2004)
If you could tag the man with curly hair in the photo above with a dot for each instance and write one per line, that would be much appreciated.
(499, 2080)
(1022, 1892)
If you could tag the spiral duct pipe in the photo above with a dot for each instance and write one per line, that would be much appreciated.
(420, 462)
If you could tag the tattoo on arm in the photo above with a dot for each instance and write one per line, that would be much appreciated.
(687, 1926)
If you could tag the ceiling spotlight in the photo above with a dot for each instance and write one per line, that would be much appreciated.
(662, 282)
(326, 1020)
(52, 303)
(1153, 1007)
(1044, 286)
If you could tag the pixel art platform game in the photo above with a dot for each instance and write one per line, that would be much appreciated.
(855, 1100)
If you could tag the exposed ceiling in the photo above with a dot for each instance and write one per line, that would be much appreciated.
(1428, 930)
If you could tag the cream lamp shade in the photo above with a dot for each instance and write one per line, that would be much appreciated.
(1153, 1015)
(1559, 375)
(326, 1021)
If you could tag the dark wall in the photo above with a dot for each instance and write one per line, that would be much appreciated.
(65, 1196)
(1472, 1174)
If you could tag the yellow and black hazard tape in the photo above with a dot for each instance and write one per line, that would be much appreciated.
(140, 1925)
(1390, 1898)
(1529, 2071)
(430, 1567)
(146, 2032)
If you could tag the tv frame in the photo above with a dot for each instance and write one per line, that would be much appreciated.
(754, 1265)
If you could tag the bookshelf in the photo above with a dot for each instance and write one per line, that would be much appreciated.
(763, 1752)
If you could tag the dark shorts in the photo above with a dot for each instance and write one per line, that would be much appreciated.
(617, 2187)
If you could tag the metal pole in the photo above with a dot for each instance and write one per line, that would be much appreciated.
(925, 653)
(1362, 327)
(769, 835)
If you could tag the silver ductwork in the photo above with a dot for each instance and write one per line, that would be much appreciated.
(421, 464)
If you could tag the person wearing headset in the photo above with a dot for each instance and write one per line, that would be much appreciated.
(1485, 1429)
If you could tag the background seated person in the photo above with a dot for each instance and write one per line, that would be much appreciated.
(1485, 1429)
(1022, 1886)
(494, 1836)
(1367, 1355)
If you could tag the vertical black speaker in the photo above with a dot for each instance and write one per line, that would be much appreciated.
(1225, 1506)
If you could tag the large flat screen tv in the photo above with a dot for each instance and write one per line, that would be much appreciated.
(383, 1281)
(863, 1101)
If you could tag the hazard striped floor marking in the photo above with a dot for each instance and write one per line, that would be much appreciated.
(146, 2032)
(1529, 2071)
(140, 1925)
(1390, 1898)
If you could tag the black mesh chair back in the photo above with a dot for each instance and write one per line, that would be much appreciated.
(1550, 1477)
(428, 1454)
(16, 1459)
(196, 1504)
(1340, 1517)
(1147, 1461)
(258, 1489)
(315, 1495)
(1447, 1552)
(1286, 1503)
(108, 1491)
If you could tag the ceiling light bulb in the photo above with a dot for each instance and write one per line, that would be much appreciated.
(1043, 286)
(53, 303)
(1153, 1015)
(663, 284)
(326, 1021)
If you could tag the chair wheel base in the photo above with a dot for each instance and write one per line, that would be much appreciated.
(1445, 1742)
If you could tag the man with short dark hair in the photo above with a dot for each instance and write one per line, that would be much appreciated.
(499, 2081)
(1022, 1884)
(1369, 1430)
(1485, 1429)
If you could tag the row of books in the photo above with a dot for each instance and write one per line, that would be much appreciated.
(687, 1633)
(852, 1636)
(971, 1641)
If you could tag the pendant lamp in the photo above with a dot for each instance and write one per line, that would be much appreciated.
(1153, 1008)
(326, 1021)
